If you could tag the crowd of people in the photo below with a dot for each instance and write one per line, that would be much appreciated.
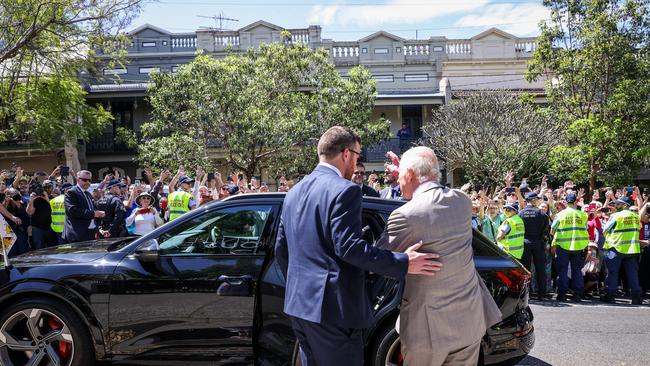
(66, 206)
(572, 243)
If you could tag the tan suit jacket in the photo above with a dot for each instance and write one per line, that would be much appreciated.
(452, 309)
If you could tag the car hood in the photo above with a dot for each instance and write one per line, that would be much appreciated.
(82, 252)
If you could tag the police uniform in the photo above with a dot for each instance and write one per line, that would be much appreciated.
(536, 230)
(513, 241)
(114, 221)
(180, 202)
(622, 248)
(570, 238)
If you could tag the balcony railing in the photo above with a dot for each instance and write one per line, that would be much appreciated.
(377, 152)
(106, 144)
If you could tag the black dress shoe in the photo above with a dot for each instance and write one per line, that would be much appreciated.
(577, 298)
(637, 300)
(608, 299)
(561, 298)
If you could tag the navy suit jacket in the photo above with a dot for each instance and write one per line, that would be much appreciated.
(78, 215)
(322, 253)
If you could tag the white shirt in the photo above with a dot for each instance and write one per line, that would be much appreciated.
(91, 205)
(424, 187)
(327, 165)
(144, 223)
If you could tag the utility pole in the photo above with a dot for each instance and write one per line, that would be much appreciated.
(218, 20)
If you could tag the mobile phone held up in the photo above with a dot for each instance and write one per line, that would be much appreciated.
(64, 171)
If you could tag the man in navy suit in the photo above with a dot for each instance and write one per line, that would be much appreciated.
(324, 258)
(80, 213)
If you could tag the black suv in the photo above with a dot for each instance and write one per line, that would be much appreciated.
(205, 288)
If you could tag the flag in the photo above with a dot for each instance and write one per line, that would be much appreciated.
(8, 239)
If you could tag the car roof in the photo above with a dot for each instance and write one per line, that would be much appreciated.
(279, 196)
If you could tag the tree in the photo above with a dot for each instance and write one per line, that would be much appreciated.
(44, 46)
(265, 108)
(489, 133)
(596, 53)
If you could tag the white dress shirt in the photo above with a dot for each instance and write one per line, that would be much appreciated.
(327, 165)
(424, 187)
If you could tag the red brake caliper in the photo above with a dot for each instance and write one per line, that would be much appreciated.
(64, 348)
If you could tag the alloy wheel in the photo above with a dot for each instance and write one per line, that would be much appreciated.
(394, 356)
(35, 337)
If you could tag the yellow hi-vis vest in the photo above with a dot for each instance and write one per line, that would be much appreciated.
(178, 203)
(513, 242)
(58, 213)
(571, 232)
(624, 237)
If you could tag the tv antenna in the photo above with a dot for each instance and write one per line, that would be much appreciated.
(218, 20)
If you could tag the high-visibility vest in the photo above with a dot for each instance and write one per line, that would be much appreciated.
(624, 237)
(58, 213)
(571, 232)
(178, 202)
(513, 242)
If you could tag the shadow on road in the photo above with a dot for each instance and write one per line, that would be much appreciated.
(622, 303)
(530, 360)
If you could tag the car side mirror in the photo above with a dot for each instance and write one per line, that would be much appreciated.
(149, 252)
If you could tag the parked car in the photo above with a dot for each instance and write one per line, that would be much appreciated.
(206, 288)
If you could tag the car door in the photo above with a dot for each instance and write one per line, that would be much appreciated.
(197, 299)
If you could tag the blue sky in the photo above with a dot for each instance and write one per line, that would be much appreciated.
(345, 20)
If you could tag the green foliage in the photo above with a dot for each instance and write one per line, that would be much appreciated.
(44, 47)
(489, 133)
(53, 111)
(595, 51)
(173, 151)
(265, 108)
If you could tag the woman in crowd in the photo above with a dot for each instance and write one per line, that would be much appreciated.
(145, 218)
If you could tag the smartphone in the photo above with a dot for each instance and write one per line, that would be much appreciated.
(211, 176)
(510, 189)
(629, 189)
(137, 182)
(241, 176)
(65, 171)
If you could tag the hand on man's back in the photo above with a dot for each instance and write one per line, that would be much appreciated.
(422, 263)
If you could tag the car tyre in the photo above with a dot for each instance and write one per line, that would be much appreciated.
(387, 348)
(62, 332)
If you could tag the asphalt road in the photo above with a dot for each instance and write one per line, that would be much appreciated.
(591, 334)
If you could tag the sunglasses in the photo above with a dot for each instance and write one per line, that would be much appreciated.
(85, 179)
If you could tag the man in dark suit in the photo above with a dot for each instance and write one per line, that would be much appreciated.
(358, 176)
(80, 213)
(324, 258)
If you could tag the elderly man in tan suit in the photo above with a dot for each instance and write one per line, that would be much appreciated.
(442, 317)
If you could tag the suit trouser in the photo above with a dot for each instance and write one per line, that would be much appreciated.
(577, 260)
(428, 357)
(328, 345)
(535, 251)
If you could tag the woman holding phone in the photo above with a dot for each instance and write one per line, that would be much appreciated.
(145, 217)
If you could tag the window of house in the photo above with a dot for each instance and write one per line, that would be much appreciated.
(384, 78)
(232, 230)
(380, 51)
(364, 50)
(398, 49)
(438, 49)
(416, 77)
(118, 71)
(148, 44)
(148, 70)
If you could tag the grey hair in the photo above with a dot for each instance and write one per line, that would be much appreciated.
(81, 173)
(422, 161)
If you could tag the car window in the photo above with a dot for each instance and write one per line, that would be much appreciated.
(233, 230)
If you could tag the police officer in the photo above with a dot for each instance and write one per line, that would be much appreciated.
(622, 247)
(570, 239)
(511, 232)
(536, 230)
(58, 212)
(113, 225)
(182, 200)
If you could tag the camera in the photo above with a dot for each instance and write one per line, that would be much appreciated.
(37, 188)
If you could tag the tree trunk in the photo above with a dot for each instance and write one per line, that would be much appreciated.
(72, 155)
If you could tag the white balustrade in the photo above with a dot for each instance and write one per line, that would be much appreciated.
(299, 35)
(345, 51)
(421, 49)
(184, 42)
(525, 46)
(226, 39)
(455, 47)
